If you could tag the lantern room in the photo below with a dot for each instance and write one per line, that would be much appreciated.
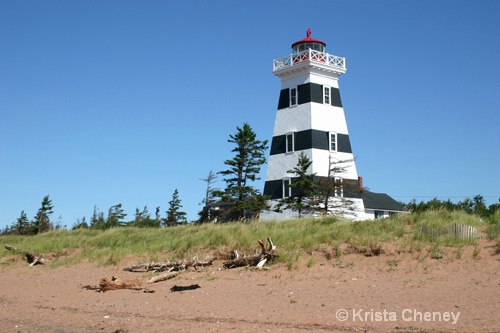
(308, 43)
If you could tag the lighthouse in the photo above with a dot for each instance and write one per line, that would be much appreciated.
(310, 119)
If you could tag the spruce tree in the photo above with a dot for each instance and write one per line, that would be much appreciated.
(174, 214)
(22, 226)
(116, 215)
(302, 188)
(208, 202)
(42, 218)
(334, 186)
(243, 169)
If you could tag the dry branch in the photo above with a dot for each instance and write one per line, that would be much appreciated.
(116, 283)
(163, 277)
(257, 260)
(169, 265)
(33, 258)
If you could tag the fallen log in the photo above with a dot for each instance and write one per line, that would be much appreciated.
(170, 266)
(32, 258)
(116, 283)
(257, 260)
(162, 277)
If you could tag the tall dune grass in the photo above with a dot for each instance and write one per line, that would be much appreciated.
(293, 238)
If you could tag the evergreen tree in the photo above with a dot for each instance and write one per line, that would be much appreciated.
(243, 169)
(479, 206)
(42, 218)
(22, 226)
(157, 215)
(302, 188)
(174, 214)
(206, 214)
(115, 216)
(80, 224)
(334, 186)
(143, 219)
(97, 221)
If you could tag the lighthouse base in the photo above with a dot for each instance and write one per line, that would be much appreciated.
(347, 208)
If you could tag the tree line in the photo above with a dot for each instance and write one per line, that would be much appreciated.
(114, 218)
(240, 200)
(476, 205)
(237, 201)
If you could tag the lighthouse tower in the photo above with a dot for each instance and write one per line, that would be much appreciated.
(310, 119)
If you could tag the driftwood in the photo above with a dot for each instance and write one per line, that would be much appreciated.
(257, 260)
(169, 265)
(163, 277)
(33, 258)
(115, 283)
(183, 288)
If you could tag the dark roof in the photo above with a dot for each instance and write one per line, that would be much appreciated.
(381, 201)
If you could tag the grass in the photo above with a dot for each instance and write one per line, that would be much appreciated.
(294, 238)
(494, 231)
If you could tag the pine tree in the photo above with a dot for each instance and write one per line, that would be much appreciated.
(97, 221)
(157, 215)
(115, 216)
(174, 214)
(243, 169)
(80, 224)
(143, 219)
(302, 188)
(334, 186)
(22, 226)
(206, 214)
(42, 218)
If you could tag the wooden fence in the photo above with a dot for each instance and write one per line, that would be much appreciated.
(461, 231)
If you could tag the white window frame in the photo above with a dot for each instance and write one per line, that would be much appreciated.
(289, 136)
(339, 190)
(294, 98)
(327, 95)
(286, 183)
(330, 141)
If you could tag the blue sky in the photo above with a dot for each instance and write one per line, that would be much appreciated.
(107, 102)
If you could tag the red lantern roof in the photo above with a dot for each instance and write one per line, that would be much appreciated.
(308, 39)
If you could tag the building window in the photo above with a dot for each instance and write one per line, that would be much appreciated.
(338, 187)
(290, 142)
(379, 214)
(326, 95)
(333, 141)
(287, 190)
(293, 96)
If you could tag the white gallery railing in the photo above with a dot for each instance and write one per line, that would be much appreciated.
(309, 55)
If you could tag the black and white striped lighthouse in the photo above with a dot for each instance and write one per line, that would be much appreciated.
(310, 119)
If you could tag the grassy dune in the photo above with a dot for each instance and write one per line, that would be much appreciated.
(331, 236)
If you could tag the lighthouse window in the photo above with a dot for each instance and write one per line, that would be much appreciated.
(326, 95)
(293, 96)
(289, 142)
(287, 189)
(333, 141)
(339, 188)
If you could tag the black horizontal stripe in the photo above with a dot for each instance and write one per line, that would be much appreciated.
(307, 93)
(274, 188)
(310, 139)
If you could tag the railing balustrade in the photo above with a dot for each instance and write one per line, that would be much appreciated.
(309, 55)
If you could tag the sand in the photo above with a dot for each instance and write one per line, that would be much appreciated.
(392, 292)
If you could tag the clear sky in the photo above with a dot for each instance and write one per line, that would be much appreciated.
(107, 102)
